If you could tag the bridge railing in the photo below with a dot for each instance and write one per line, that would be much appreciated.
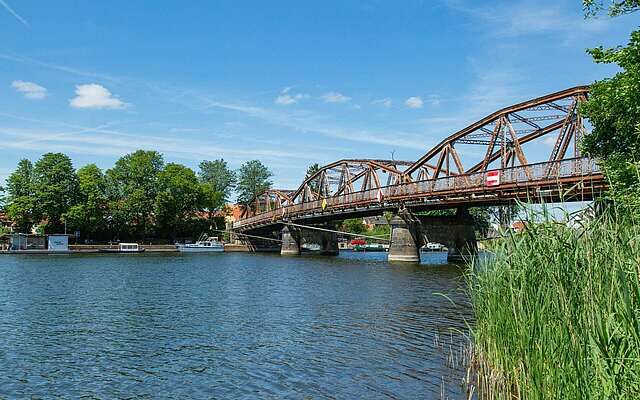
(518, 176)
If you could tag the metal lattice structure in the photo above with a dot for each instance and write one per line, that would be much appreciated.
(503, 136)
(349, 176)
(531, 150)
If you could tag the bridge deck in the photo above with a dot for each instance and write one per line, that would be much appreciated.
(575, 179)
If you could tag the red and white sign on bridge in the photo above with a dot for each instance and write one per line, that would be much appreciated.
(493, 178)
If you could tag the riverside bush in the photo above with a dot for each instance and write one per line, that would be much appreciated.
(558, 312)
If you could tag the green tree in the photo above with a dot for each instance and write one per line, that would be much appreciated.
(20, 211)
(132, 186)
(312, 170)
(90, 214)
(253, 179)
(3, 198)
(20, 182)
(353, 225)
(481, 217)
(615, 8)
(220, 179)
(178, 198)
(19, 197)
(55, 189)
(613, 109)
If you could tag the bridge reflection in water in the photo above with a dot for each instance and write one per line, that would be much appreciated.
(501, 170)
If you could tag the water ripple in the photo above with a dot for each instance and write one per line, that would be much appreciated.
(229, 326)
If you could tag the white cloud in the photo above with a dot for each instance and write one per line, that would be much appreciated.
(386, 102)
(414, 102)
(285, 98)
(434, 100)
(30, 90)
(550, 140)
(335, 97)
(529, 17)
(95, 96)
(308, 122)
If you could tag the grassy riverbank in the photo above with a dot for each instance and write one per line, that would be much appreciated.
(558, 313)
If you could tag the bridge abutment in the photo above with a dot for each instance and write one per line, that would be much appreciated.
(290, 242)
(406, 238)
(457, 233)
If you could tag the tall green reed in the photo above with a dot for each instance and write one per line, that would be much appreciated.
(558, 311)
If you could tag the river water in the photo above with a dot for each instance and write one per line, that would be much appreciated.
(230, 326)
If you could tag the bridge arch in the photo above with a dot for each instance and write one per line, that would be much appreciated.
(501, 145)
(348, 176)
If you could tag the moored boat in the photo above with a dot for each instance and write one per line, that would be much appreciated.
(127, 248)
(204, 245)
(371, 247)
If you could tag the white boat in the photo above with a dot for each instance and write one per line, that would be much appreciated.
(433, 246)
(124, 248)
(203, 245)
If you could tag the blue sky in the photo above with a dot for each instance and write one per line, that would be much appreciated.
(287, 82)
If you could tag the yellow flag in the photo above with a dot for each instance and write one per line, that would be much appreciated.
(324, 203)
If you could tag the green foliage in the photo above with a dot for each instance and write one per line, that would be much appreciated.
(353, 225)
(481, 217)
(312, 170)
(614, 111)
(253, 179)
(55, 189)
(381, 231)
(3, 198)
(139, 196)
(20, 182)
(220, 180)
(91, 212)
(615, 8)
(558, 312)
(20, 211)
(132, 186)
(178, 197)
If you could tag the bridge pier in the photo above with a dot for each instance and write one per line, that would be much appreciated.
(406, 238)
(457, 233)
(328, 241)
(290, 242)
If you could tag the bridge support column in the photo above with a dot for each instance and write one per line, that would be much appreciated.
(406, 238)
(290, 242)
(462, 244)
(329, 241)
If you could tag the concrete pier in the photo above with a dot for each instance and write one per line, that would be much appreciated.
(406, 238)
(328, 241)
(290, 242)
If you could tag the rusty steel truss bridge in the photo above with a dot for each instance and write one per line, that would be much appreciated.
(529, 151)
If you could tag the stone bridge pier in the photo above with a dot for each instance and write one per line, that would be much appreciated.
(290, 242)
(410, 232)
(406, 238)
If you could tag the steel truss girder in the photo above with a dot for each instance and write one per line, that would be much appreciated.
(501, 141)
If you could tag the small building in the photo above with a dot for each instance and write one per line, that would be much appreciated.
(38, 243)
(23, 241)
(58, 243)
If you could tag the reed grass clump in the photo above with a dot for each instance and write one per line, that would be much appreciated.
(558, 312)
